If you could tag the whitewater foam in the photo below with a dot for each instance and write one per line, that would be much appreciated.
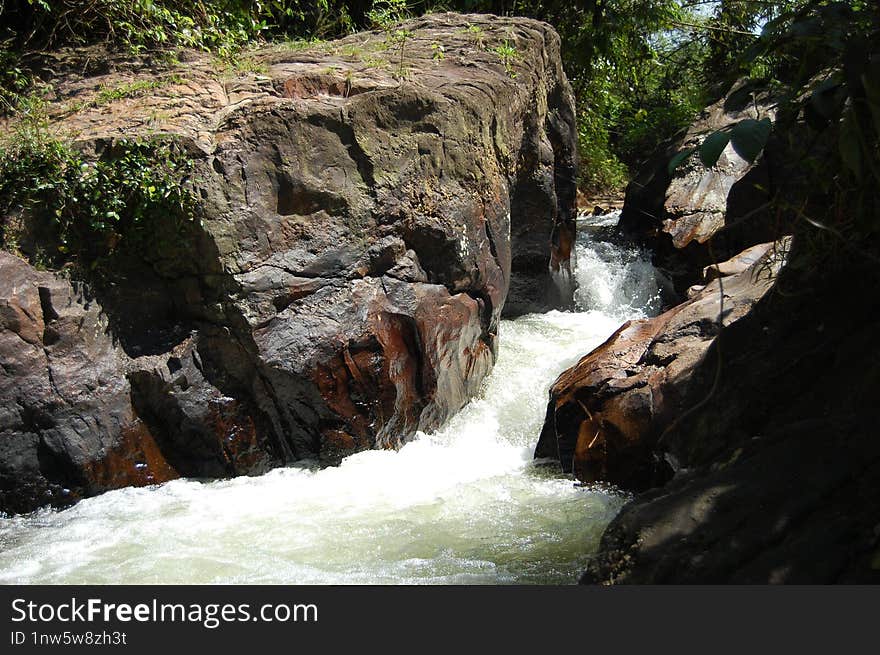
(463, 505)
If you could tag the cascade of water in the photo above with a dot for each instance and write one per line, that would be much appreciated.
(463, 505)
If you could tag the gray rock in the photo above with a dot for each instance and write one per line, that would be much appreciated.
(677, 215)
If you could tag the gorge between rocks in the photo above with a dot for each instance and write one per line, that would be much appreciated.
(463, 505)
(348, 311)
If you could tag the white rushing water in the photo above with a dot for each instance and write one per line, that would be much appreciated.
(464, 505)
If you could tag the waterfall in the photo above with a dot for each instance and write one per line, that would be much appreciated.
(463, 505)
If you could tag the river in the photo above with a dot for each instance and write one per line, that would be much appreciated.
(465, 505)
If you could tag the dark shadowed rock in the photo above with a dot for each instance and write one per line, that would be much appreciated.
(778, 470)
(366, 215)
(67, 427)
(607, 412)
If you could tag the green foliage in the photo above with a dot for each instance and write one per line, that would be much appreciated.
(680, 158)
(823, 61)
(713, 146)
(634, 77)
(218, 25)
(476, 35)
(134, 89)
(243, 62)
(386, 13)
(826, 54)
(397, 38)
(89, 207)
(641, 69)
(748, 138)
(14, 80)
(508, 54)
(600, 169)
(636, 82)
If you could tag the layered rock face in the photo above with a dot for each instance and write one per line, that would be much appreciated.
(607, 413)
(676, 214)
(367, 210)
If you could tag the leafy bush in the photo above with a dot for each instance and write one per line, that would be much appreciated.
(600, 169)
(89, 207)
(641, 69)
(385, 13)
(213, 24)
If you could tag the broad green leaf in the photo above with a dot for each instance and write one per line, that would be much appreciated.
(750, 136)
(712, 148)
(679, 159)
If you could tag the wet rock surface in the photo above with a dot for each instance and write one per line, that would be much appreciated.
(778, 471)
(607, 413)
(366, 216)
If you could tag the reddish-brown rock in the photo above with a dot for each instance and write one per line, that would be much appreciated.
(607, 412)
(778, 472)
(365, 217)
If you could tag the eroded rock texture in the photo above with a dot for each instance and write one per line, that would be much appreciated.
(779, 469)
(607, 413)
(367, 211)
(677, 214)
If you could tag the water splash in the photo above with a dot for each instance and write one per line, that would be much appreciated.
(463, 505)
(616, 280)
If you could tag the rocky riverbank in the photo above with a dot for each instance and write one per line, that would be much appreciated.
(366, 212)
(748, 428)
(608, 413)
(777, 463)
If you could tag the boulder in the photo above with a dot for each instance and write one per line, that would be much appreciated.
(366, 212)
(778, 471)
(607, 413)
(676, 214)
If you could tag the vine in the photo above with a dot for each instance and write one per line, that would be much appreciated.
(134, 191)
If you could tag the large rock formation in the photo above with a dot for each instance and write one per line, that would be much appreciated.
(367, 210)
(778, 476)
(775, 456)
(607, 413)
(676, 214)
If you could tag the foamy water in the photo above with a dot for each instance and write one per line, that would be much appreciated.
(463, 505)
